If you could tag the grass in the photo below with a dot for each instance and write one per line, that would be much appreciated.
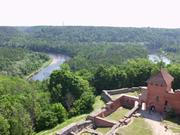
(103, 130)
(114, 97)
(118, 114)
(97, 105)
(138, 127)
(135, 93)
(173, 124)
(62, 125)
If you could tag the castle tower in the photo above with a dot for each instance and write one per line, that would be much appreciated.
(158, 86)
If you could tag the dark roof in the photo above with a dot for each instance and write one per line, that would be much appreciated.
(163, 77)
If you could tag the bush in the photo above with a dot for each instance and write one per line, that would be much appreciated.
(46, 120)
(171, 113)
(4, 126)
(59, 111)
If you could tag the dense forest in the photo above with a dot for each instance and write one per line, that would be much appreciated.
(83, 44)
(20, 62)
(101, 58)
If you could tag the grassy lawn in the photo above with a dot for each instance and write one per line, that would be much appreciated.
(103, 130)
(114, 97)
(135, 93)
(118, 114)
(173, 124)
(62, 125)
(97, 105)
(138, 127)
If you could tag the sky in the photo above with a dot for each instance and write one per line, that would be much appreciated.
(118, 13)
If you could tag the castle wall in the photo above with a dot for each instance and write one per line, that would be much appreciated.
(158, 96)
(100, 122)
(155, 97)
(173, 100)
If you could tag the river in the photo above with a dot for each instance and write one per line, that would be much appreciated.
(155, 58)
(58, 59)
(44, 73)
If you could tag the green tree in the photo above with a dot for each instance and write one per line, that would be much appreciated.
(46, 120)
(67, 87)
(4, 126)
(59, 111)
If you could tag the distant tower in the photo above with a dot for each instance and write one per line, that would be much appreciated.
(158, 85)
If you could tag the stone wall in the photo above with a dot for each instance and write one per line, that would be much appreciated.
(123, 90)
(106, 96)
(97, 119)
(75, 127)
(128, 101)
(101, 122)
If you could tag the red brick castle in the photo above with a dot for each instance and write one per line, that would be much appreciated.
(159, 94)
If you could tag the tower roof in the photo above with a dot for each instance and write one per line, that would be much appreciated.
(163, 77)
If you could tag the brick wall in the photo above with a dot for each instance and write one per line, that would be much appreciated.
(75, 127)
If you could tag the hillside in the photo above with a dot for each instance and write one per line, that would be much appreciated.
(92, 46)
(101, 58)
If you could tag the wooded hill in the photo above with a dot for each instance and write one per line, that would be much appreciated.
(101, 58)
(90, 46)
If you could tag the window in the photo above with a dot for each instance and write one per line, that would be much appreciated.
(166, 102)
(157, 98)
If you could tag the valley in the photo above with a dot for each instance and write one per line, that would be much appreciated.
(52, 76)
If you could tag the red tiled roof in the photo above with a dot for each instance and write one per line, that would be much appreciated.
(163, 77)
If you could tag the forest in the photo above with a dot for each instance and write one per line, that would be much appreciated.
(101, 58)
(20, 62)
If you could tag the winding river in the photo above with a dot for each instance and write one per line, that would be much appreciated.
(44, 73)
(58, 59)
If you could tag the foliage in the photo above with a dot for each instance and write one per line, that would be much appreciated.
(59, 111)
(46, 120)
(71, 90)
(171, 113)
(20, 62)
(133, 73)
(23, 104)
(174, 70)
(98, 104)
(4, 126)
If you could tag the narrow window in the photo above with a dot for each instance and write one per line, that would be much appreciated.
(166, 102)
(157, 98)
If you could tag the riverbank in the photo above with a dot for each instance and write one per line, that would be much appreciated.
(45, 71)
(158, 58)
(44, 65)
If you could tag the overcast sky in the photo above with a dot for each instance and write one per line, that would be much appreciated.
(123, 13)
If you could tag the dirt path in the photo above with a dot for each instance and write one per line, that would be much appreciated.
(154, 121)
